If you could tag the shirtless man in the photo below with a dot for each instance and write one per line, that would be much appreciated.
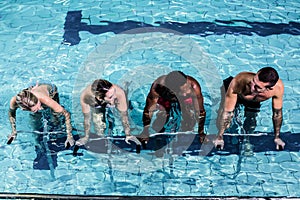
(174, 95)
(34, 99)
(95, 99)
(251, 89)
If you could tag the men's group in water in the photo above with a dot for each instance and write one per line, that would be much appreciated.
(175, 99)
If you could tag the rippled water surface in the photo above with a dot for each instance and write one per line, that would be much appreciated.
(131, 43)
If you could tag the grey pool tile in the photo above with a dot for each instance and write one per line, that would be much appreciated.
(291, 75)
(295, 129)
(292, 103)
(258, 178)
(285, 177)
(295, 155)
(221, 190)
(295, 116)
(269, 168)
(291, 166)
(261, 157)
(249, 167)
(280, 157)
(172, 187)
(273, 189)
(250, 190)
(293, 190)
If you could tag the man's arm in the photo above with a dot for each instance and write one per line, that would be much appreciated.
(277, 121)
(123, 109)
(85, 108)
(57, 108)
(125, 122)
(150, 106)
(227, 113)
(277, 102)
(67, 116)
(228, 108)
(12, 119)
(198, 105)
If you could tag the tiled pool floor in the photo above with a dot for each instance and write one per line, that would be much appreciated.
(230, 36)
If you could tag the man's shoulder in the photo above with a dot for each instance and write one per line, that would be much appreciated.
(243, 75)
(157, 83)
(239, 82)
(279, 87)
(119, 89)
(280, 83)
(160, 79)
(190, 78)
(87, 91)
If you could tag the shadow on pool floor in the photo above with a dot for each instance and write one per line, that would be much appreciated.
(182, 144)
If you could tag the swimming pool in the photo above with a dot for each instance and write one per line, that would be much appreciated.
(133, 42)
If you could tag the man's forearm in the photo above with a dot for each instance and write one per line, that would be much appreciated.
(68, 122)
(201, 122)
(148, 109)
(12, 120)
(147, 115)
(225, 122)
(277, 121)
(87, 124)
(125, 122)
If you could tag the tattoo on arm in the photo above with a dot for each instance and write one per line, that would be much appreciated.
(227, 117)
(12, 120)
(125, 122)
(225, 121)
(277, 121)
(68, 122)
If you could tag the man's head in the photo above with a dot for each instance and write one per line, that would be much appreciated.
(28, 101)
(268, 75)
(100, 88)
(264, 79)
(103, 90)
(175, 80)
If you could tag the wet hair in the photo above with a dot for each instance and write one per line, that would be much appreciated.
(25, 99)
(174, 80)
(100, 88)
(268, 75)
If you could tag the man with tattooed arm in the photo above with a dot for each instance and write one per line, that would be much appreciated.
(94, 100)
(250, 89)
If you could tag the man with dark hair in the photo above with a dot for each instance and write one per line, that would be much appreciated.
(179, 102)
(250, 89)
(94, 100)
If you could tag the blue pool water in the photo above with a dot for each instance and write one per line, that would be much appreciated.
(132, 43)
